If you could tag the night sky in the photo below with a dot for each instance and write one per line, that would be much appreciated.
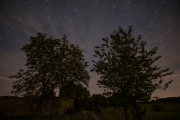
(86, 22)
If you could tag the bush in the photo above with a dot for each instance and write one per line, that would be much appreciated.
(156, 108)
(2, 114)
(78, 104)
(137, 112)
(69, 111)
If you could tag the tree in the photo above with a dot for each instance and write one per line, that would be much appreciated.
(98, 101)
(81, 97)
(51, 63)
(127, 68)
(81, 92)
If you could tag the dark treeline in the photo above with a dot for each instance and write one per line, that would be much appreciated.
(169, 99)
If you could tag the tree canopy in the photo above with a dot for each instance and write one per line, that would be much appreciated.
(51, 63)
(127, 69)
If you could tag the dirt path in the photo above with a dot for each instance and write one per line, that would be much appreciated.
(90, 116)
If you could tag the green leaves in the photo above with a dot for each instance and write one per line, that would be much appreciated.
(127, 67)
(127, 70)
(50, 63)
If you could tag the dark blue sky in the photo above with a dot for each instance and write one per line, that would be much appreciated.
(85, 22)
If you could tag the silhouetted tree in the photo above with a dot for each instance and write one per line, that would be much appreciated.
(81, 92)
(169, 99)
(51, 63)
(127, 68)
(98, 101)
(67, 91)
(115, 101)
(81, 97)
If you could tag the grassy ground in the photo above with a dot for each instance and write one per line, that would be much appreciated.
(166, 107)
(111, 114)
(78, 116)
(168, 111)
(162, 116)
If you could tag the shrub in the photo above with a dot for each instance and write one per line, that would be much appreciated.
(69, 111)
(156, 107)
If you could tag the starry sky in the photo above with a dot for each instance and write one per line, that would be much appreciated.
(86, 22)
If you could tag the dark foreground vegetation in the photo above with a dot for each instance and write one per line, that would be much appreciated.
(155, 110)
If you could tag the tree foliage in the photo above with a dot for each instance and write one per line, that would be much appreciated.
(127, 69)
(82, 96)
(98, 101)
(81, 92)
(51, 63)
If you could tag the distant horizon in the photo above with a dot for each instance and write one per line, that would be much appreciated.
(155, 94)
(92, 94)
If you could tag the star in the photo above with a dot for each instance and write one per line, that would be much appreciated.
(86, 22)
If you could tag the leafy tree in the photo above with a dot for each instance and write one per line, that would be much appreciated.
(81, 97)
(73, 91)
(67, 91)
(51, 63)
(81, 92)
(98, 101)
(115, 101)
(78, 92)
(127, 68)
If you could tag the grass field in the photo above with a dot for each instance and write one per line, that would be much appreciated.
(168, 111)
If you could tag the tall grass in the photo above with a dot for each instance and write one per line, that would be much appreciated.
(168, 111)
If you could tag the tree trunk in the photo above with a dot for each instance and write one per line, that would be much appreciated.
(126, 113)
(38, 108)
